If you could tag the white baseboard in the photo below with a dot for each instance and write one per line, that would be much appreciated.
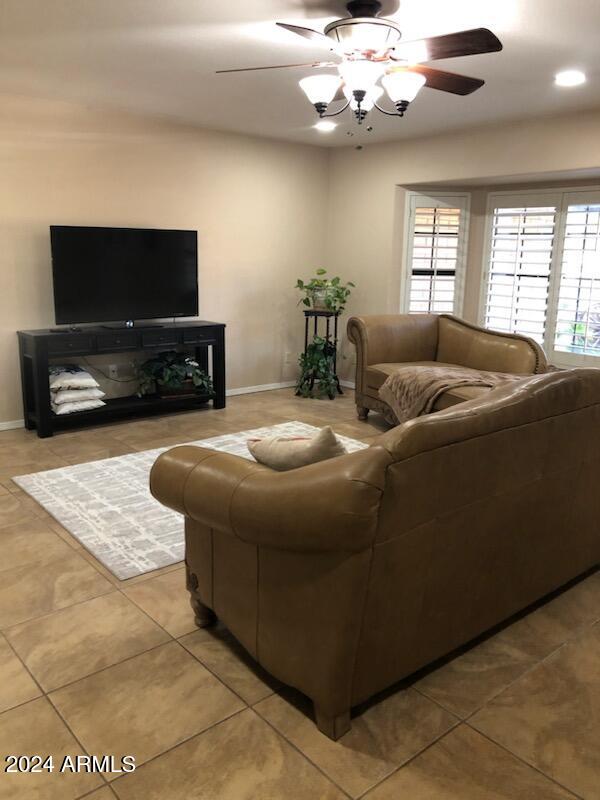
(10, 426)
(348, 384)
(263, 387)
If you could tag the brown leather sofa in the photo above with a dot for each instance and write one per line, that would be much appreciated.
(345, 576)
(386, 342)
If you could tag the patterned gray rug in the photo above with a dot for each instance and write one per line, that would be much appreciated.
(108, 507)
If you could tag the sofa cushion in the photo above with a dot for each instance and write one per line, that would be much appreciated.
(379, 373)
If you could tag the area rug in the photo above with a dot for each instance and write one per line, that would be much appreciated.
(108, 507)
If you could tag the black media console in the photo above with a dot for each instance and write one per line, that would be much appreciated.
(38, 348)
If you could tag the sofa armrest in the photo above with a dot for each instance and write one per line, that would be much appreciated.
(332, 505)
(462, 343)
(392, 338)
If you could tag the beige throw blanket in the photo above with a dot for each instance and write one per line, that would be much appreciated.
(412, 391)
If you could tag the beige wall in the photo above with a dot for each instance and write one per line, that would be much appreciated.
(366, 193)
(259, 207)
(266, 213)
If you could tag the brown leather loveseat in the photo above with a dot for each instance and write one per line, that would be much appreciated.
(386, 342)
(345, 576)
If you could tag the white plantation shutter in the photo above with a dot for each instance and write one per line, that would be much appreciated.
(519, 270)
(435, 254)
(578, 309)
(543, 272)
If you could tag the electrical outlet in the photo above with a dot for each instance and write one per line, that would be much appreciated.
(288, 357)
(113, 371)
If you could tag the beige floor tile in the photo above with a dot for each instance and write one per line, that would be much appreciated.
(30, 542)
(3, 490)
(13, 454)
(473, 678)
(166, 600)
(16, 684)
(13, 510)
(35, 589)
(36, 729)
(466, 766)
(145, 705)
(76, 448)
(69, 644)
(551, 716)
(106, 793)
(217, 649)
(122, 584)
(240, 759)
(381, 738)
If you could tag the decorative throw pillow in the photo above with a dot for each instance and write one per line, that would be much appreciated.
(70, 376)
(281, 453)
(76, 395)
(82, 405)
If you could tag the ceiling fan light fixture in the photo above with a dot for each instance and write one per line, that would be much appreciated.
(360, 75)
(367, 34)
(369, 101)
(320, 89)
(402, 85)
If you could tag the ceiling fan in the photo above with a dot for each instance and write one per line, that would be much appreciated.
(368, 48)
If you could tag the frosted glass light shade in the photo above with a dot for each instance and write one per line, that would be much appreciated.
(376, 36)
(320, 88)
(403, 85)
(367, 104)
(360, 75)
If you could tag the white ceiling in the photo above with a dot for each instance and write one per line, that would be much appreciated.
(160, 56)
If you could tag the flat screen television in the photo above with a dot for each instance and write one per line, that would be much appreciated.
(121, 274)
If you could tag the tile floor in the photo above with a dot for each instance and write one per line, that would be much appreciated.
(90, 664)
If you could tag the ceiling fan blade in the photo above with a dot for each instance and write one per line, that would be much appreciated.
(307, 33)
(448, 81)
(278, 66)
(452, 45)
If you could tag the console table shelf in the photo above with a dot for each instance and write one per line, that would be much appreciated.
(36, 348)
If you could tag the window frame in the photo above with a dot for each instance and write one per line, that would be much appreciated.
(561, 198)
(414, 200)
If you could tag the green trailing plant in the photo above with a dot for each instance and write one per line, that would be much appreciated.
(172, 371)
(328, 293)
(317, 372)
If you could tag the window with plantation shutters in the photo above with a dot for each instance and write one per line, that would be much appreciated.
(543, 272)
(578, 308)
(435, 254)
(520, 263)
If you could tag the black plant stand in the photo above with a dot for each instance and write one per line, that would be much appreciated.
(316, 315)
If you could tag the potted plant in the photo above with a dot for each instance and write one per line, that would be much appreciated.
(317, 370)
(325, 294)
(173, 374)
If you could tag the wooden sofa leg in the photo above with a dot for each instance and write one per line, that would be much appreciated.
(363, 412)
(333, 727)
(203, 615)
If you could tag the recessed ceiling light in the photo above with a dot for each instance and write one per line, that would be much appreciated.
(570, 77)
(325, 126)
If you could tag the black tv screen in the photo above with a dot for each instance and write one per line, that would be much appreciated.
(118, 274)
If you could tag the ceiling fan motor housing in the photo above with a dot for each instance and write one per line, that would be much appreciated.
(363, 8)
(369, 34)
